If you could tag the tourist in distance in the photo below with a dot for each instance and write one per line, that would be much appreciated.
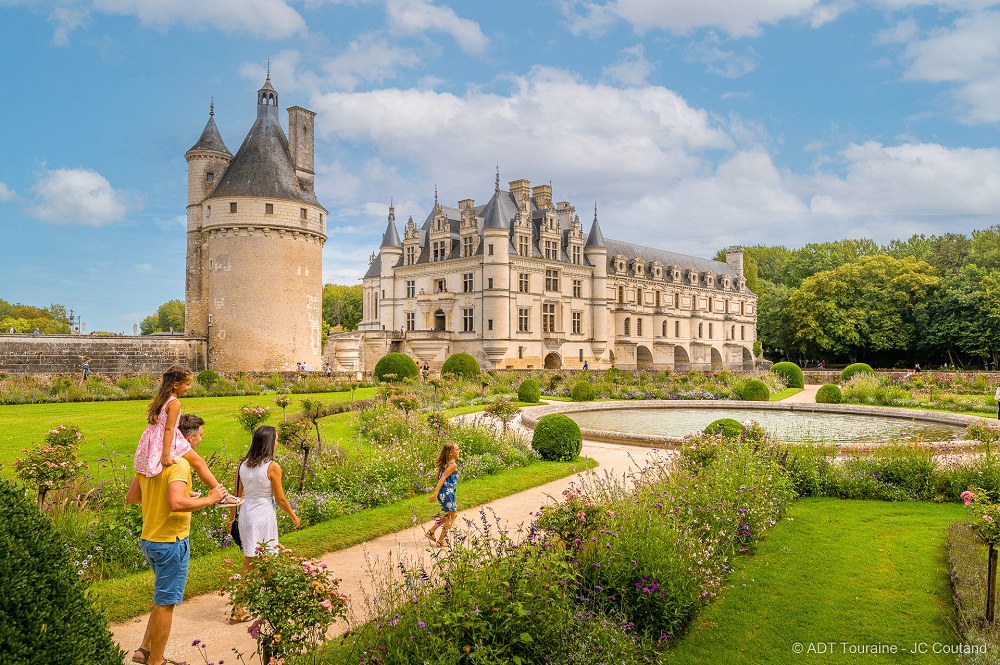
(86, 371)
(447, 465)
(167, 504)
(162, 443)
(258, 482)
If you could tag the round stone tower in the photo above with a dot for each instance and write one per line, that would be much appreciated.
(255, 243)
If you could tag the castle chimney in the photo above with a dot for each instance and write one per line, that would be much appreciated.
(542, 195)
(521, 190)
(301, 145)
(734, 257)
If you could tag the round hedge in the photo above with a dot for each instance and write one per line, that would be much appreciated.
(207, 377)
(829, 394)
(856, 368)
(462, 365)
(582, 392)
(791, 373)
(46, 617)
(529, 391)
(400, 365)
(755, 391)
(557, 438)
(727, 427)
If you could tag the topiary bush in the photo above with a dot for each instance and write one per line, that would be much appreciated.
(557, 438)
(829, 394)
(529, 391)
(856, 368)
(791, 373)
(207, 378)
(462, 365)
(727, 427)
(582, 392)
(755, 391)
(46, 617)
(400, 365)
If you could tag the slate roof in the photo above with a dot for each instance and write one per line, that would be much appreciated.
(632, 251)
(391, 237)
(595, 238)
(210, 139)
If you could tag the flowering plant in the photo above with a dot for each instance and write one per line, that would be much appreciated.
(53, 464)
(251, 417)
(987, 515)
(574, 519)
(293, 600)
(983, 431)
(283, 401)
(64, 435)
(503, 410)
(406, 403)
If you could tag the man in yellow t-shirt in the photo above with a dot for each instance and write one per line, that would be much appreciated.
(167, 505)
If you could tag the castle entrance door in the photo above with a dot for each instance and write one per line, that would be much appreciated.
(553, 361)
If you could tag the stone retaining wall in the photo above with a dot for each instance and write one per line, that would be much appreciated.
(110, 356)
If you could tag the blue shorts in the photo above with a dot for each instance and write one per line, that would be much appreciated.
(169, 562)
(446, 499)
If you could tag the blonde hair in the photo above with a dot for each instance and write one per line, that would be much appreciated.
(175, 374)
(448, 452)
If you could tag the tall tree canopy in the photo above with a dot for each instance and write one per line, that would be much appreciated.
(169, 316)
(342, 305)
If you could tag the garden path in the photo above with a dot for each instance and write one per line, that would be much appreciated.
(806, 396)
(204, 617)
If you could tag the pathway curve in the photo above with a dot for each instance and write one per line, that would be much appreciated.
(204, 617)
(806, 396)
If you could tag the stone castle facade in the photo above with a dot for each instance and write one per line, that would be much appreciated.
(518, 284)
(255, 236)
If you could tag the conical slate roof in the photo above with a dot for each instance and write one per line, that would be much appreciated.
(499, 212)
(210, 139)
(391, 238)
(595, 238)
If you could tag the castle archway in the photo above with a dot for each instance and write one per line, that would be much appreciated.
(682, 361)
(611, 358)
(748, 363)
(643, 358)
(439, 320)
(553, 361)
(716, 359)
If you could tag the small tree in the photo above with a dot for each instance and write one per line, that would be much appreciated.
(313, 410)
(283, 400)
(296, 435)
(53, 464)
(503, 410)
(250, 417)
(987, 527)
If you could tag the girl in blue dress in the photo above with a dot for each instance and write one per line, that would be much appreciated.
(447, 465)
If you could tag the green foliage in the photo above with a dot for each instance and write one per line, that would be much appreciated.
(461, 365)
(250, 417)
(207, 378)
(529, 391)
(583, 391)
(557, 438)
(755, 390)
(52, 320)
(46, 616)
(53, 465)
(399, 365)
(791, 373)
(829, 394)
(503, 410)
(342, 306)
(983, 431)
(727, 427)
(855, 368)
(169, 316)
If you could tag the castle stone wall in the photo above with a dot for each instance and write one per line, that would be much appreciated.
(110, 356)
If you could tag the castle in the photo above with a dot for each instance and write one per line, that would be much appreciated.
(255, 236)
(518, 284)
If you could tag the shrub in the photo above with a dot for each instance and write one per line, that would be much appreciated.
(727, 427)
(400, 365)
(755, 391)
(207, 378)
(557, 438)
(461, 365)
(829, 394)
(529, 391)
(791, 373)
(46, 617)
(855, 368)
(582, 392)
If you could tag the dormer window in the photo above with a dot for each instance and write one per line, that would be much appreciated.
(638, 267)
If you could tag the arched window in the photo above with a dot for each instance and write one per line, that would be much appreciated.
(701, 327)
(628, 325)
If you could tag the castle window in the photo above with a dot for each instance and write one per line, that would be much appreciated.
(439, 320)
(303, 213)
(581, 355)
(552, 249)
(551, 280)
(468, 245)
(701, 330)
(711, 306)
(411, 288)
(523, 247)
(741, 308)
(677, 328)
(208, 211)
(548, 318)
(210, 176)
(638, 297)
(732, 332)
(677, 301)
(628, 326)
(522, 323)
(411, 321)
(621, 294)
(522, 282)
(657, 298)
(489, 283)
(577, 323)
(577, 256)
(467, 319)
(520, 353)
(710, 331)
(664, 334)
(411, 255)
(743, 332)
(638, 326)
(268, 208)
(489, 324)
(490, 249)
(467, 282)
(577, 288)
(442, 287)
(232, 207)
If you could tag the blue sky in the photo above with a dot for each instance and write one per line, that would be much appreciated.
(693, 124)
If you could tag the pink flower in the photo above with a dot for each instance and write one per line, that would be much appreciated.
(968, 497)
(987, 518)
(582, 516)
(326, 605)
(254, 629)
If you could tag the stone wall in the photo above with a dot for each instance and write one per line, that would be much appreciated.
(110, 356)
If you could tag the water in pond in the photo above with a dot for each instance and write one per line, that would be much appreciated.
(790, 426)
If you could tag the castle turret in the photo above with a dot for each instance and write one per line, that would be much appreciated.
(391, 250)
(597, 253)
(496, 273)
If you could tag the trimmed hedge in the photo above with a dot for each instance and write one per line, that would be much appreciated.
(755, 391)
(856, 368)
(729, 428)
(582, 392)
(398, 364)
(44, 616)
(557, 438)
(529, 391)
(461, 364)
(207, 378)
(791, 373)
(829, 394)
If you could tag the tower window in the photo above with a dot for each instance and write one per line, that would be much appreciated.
(489, 324)
(232, 207)
(208, 211)
(303, 213)
(210, 176)
(490, 248)
(268, 208)
(411, 322)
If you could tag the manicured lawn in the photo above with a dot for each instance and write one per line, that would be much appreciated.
(860, 572)
(118, 425)
(787, 392)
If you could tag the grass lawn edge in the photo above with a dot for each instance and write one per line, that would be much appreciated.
(784, 394)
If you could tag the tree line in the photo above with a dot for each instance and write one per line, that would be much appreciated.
(51, 320)
(928, 299)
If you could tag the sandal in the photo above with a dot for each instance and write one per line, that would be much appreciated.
(229, 501)
(145, 656)
(430, 536)
(167, 661)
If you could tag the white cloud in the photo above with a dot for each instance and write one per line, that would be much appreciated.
(413, 17)
(77, 196)
(6, 193)
(633, 69)
(719, 61)
(903, 32)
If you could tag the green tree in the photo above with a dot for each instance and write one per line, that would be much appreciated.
(342, 305)
(773, 329)
(860, 307)
(169, 316)
(985, 250)
(51, 320)
(960, 321)
(819, 257)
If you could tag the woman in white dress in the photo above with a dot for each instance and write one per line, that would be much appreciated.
(258, 481)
